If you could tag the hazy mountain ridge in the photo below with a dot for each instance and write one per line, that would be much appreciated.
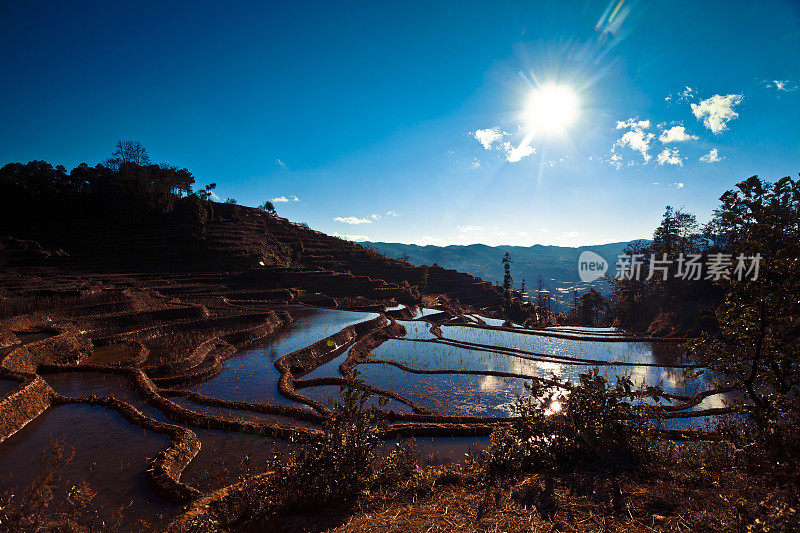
(557, 265)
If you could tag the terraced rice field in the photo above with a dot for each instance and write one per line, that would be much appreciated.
(166, 398)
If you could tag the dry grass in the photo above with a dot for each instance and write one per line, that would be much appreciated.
(452, 499)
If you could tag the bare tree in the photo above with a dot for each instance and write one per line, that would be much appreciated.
(128, 152)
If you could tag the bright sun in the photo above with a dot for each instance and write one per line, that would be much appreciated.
(551, 108)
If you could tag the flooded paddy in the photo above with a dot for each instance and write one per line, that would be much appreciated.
(251, 376)
(111, 455)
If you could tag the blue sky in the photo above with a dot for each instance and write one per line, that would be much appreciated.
(388, 120)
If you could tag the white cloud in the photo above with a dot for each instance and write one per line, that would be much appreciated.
(375, 216)
(475, 163)
(635, 139)
(355, 238)
(711, 157)
(499, 233)
(677, 185)
(675, 134)
(279, 199)
(391, 213)
(280, 163)
(717, 111)
(470, 228)
(295, 199)
(633, 123)
(352, 220)
(544, 230)
(515, 154)
(670, 156)
(489, 136)
(523, 234)
(493, 139)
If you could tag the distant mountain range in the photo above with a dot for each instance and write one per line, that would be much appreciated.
(557, 265)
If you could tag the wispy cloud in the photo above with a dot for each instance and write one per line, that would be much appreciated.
(677, 185)
(685, 95)
(494, 139)
(355, 238)
(717, 111)
(280, 163)
(523, 234)
(352, 220)
(391, 213)
(470, 228)
(786, 86)
(635, 139)
(375, 216)
(295, 199)
(675, 134)
(670, 156)
(711, 157)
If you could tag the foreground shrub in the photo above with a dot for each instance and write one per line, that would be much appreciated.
(339, 464)
(567, 426)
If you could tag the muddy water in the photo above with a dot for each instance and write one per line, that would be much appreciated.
(85, 384)
(227, 458)
(6, 386)
(111, 455)
(224, 457)
(251, 375)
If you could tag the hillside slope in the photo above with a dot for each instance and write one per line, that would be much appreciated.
(268, 250)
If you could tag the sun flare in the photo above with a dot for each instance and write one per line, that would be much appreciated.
(551, 108)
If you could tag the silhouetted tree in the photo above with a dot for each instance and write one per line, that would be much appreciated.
(231, 201)
(268, 207)
(128, 152)
(756, 340)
